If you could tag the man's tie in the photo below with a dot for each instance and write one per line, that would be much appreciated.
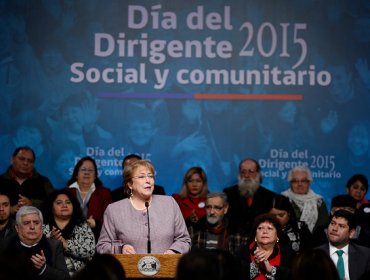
(340, 264)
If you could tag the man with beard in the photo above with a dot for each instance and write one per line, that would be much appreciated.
(211, 233)
(352, 261)
(247, 199)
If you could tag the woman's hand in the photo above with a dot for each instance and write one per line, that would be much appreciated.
(128, 249)
(91, 222)
(57, 235)
(168, 252)
(261, 260)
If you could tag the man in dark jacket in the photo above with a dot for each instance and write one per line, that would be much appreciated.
(22, 182)
(248, 198)
(37, 256)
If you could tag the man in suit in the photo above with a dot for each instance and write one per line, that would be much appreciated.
(352, 261)
(30, 252)
(119, 193)
(248, 198)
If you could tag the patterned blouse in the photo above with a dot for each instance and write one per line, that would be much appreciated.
(81, 247)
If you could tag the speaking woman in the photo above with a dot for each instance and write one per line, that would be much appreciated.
(143, 223)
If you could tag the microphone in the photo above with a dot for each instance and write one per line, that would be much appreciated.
(149, 249)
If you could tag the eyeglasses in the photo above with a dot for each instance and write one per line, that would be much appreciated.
(87, 170)
(248, 171)
(300, 181)
(142, 177)
(216, 207)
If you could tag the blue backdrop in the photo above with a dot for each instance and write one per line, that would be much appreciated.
(186, 83)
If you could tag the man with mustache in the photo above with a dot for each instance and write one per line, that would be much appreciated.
(212, 233)
(248, 198)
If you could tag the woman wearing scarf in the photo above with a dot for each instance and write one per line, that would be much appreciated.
(265, 258)
(308, 206)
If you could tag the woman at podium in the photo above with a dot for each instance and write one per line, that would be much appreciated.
(143, 223)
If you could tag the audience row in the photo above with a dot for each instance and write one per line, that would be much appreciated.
(266, 233)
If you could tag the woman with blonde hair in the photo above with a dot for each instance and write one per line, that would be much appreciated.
(193, 195)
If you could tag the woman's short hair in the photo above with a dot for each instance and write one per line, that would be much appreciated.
(129, 170)
(268, 218)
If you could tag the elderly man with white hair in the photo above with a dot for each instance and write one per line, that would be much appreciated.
(36, 256)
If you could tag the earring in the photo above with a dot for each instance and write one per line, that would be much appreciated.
(129, 192)
(277, 240)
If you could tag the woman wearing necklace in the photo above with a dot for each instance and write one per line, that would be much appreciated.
(143, 223)
(93, 197)
(264, 257)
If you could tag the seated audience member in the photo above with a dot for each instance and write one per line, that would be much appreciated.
(212, 230)
(101, 267)
(22, 182)
(198, 265)
(202, 264)
(294, 233)
(7, 224)
(64, 221)
(143, 223)
(248, 198)
(357, 187)
(308, 206)
(119, 193)
(265, 257)
(193, 195)
(364, 219)
(352, 260)
(38, 256)
(314, 264)
(90, 192)
(340, 202)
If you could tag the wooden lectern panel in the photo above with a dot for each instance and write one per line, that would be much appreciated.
(168, 265)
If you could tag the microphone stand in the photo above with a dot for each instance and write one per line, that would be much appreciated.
(149, 247)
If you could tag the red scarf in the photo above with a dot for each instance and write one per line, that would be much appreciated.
(274, 258)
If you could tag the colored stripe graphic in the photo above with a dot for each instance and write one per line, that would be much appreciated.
(203, 96)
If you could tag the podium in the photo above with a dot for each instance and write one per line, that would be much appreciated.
(149, 265)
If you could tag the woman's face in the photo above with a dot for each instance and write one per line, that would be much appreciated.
(142, 184)
(195, 185)
(266, 234)
(357, 190)
(86, 174)
(281, 215)
(62, 207)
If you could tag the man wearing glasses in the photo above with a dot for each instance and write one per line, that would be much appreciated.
(308, 206)
(22, 182)
(212, 233)
(248, 198)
